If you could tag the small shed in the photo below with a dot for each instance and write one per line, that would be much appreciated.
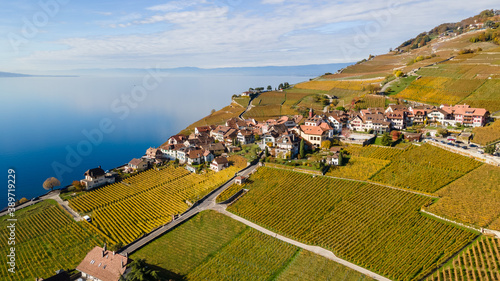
(240, 180)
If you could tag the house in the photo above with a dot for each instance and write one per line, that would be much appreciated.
(245, 137)
(395, 107)
(230, 136)
(177, 139)
(335, 122)
(287, 146)
(96, 177)
(465, 115)
(195, 157)
(154, 153)
(219, 132)
(102, 265)
(416, 137)
(332, 160)
(215, 148)
(370, 121)
(440, 116)
(313, 121)
(207, 156)
(202, 129)
(219, 164)
(236, 123)
(288, 122)
(240, 180)
(356, 123)
(170, 151)
(269, 140)
(314, 134)
(138, 164)
(397, 119)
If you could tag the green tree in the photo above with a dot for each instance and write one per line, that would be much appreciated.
(266, 152)
(50, 183)
(139, 271)
(386, 139)
(269, 88)
(302, 151)
(341, 108)
(442, 132)
(341, 158)
(257, 137)
(490, 149)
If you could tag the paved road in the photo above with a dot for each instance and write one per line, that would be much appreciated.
(27, 204)
(315, 249)
(208, 202)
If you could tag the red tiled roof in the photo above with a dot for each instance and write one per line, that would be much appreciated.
(103, 264)
(312, 130)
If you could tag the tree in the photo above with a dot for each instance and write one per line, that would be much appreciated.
(78, 185)
(395, 135)
(386, 140)
(257, 137)
(490, 149)
(442, 132)
(116, 247)
(341, 158)
(489, 24)
(269, 88)
(340, 108)
(302, 151)
(212, 111)
(266, 152)
(23, 200)
(139, 271)
(326, 144)
(50, 183)
(398, 73)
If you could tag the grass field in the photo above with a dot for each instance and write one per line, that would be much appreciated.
(473, 199)
(425, 168)
(211, 246)
(359, 168)
(479, 262)
(47, 239)
(375, 227)
(488, 134)
(119, 210)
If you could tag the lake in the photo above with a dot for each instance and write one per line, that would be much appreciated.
(63, 126)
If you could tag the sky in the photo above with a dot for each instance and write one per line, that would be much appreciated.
(63, 35)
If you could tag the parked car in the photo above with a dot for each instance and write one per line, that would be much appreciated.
(465, 147)
(472, 145)
(450, 144)
(35, 198)
(87, 218)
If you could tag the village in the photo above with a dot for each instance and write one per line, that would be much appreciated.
(289, 137)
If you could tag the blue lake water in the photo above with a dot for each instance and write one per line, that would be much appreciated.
(62, 126)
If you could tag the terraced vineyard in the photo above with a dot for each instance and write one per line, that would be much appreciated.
(212, 246)
(373, 226)
(358, 168)
(228, 193)
(47, 239)
(425, 168)
(440, 90)
(473, 199)
(269, 98)
(487, 96)
(252, 256)
(385, 153)
(480, 262)
(148, 200)
(371, 101)
(327, 85)
(487, 135)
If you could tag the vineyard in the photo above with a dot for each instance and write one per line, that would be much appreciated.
(487, 96)
(359, 168)
(251, 256)
(385, 153)
(488, 134)
(216, 118)
(327, 85)
(267, 98)
(373, 226)
(226, 194)
(440, 90)
(269, 111)
(180, 251)
(481, 262)
(425, 168)
(125, 211)
(371, 101)
(215, 247)
(473, 199)
(47, 239)
(308, 266)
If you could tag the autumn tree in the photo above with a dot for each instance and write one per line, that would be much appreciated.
(78, 185)
(395, 135)
(326, 144)
(50, 183)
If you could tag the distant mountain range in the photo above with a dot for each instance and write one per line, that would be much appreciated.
(312, 70)
(10, 74)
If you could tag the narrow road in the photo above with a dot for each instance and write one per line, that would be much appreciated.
(315, 249)
(249, 106)
(64, 205)
(208, 202)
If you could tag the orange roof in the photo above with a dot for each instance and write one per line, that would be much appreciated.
(103, 264)
(312, 130)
